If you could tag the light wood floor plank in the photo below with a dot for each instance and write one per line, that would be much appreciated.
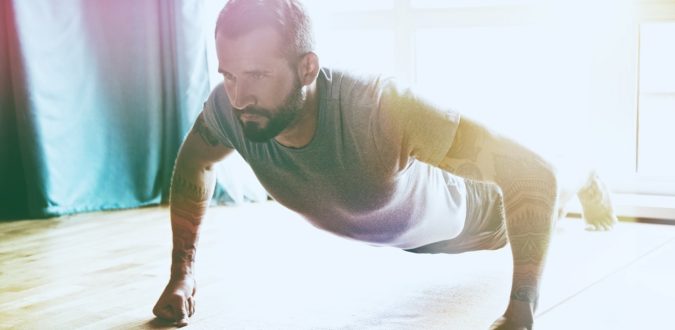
(262, 267)
(640, 296)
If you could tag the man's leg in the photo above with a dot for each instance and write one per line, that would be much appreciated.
(593, 195)
(485, 227)
(530, 190)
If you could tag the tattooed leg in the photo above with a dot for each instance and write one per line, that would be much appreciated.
(530, 191)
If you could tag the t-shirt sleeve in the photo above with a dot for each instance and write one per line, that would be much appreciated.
(213, 118)
(425, 132)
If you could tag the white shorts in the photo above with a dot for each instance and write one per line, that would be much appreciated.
(485, 226)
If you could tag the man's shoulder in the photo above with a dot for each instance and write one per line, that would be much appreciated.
(218, 116)
(218, 98)
(218, 105)
(353, 87)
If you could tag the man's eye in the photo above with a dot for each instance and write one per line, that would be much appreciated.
(228, 76)
(257, 75)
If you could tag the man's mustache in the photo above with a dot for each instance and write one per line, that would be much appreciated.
(254, 111)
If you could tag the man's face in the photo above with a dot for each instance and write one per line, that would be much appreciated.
(263, 88)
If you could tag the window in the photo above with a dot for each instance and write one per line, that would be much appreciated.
(656, 133)
(591, 79)
(486, 72)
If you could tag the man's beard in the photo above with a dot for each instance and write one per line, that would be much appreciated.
(277, 121)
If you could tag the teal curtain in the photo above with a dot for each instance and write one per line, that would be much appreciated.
(96, 97)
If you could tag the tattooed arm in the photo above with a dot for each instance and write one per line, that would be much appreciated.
(191, 189)
(529, 188)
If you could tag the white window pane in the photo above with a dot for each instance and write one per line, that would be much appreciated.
(657, 57)
(657, 100)
(364, 51)
(657, 136)
(491, 74)
(514, 79)
(430, 4)
(460, 66)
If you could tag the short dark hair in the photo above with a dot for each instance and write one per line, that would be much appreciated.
(288, 17)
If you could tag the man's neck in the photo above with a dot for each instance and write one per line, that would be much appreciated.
(301, 132)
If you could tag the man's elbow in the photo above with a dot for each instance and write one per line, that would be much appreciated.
(549, 181)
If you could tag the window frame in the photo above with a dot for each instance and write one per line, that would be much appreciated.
(404, 19)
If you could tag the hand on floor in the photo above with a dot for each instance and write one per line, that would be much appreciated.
(177, 302)
(519, 315)
(505, 324)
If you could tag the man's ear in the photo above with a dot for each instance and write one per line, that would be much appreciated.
(308, 68)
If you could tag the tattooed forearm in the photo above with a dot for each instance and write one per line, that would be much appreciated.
(182, 187)
(525, 293)
(529, 248)
(530, 194)
(529, 201)
(190, 195)
(525, 288)
(185, 237)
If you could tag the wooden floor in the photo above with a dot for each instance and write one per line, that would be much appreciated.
(261, 267)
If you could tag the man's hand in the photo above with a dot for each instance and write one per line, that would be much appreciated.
(192, 186)
(177, 302)
(519, 316)
(505, 323)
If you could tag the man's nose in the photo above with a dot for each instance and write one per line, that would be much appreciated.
(240, 97)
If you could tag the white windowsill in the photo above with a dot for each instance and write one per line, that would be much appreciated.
(661, 207)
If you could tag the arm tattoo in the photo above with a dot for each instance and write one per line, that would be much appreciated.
(185, 238)
(525, 293)
(204, 132)
(530, 195)
(182, 188)
(189, 201)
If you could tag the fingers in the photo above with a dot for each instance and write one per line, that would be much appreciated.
(193, 301)
(180, 306)
(177, 302)
(164, 312)
(182, 322)
(175, 308)
(504, 323)
(189, 306)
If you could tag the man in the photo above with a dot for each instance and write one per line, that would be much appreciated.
(356, 157)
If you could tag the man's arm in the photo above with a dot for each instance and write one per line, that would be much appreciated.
(191, 190)
(530, 190)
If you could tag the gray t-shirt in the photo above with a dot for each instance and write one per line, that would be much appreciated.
(361, 176)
